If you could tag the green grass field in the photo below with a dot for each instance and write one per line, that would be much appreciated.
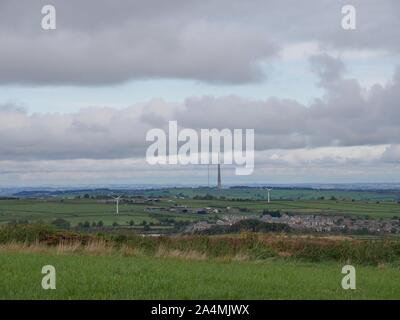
(91, 210)
(278, 193)
(235, 267)
(340, 207)
(84, 276)
(242, 266)
(76, 211)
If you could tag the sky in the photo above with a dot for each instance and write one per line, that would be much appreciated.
(77, 102)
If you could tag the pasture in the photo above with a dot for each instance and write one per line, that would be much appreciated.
(277, 193)
(80, 210)
(246, 266)
(115, 276)
(75, 211)
(387, 209)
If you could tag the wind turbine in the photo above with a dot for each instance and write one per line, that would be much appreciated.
(117, 201)
(268, 190)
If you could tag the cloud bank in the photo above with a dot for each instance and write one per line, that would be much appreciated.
(224, 41)
(347, 115)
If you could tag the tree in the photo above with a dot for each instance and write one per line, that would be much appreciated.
(61, 223)
(86, 224)
(276, 214)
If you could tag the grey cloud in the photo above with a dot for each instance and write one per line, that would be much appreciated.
(348, 115)
(11, 108)
(92, 45)
(91, 133)
(101, 42)
(392, 154)
(328, 69)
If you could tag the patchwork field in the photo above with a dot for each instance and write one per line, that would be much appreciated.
(75, 211)
(81, 210)
(278, 193)
(243, 266)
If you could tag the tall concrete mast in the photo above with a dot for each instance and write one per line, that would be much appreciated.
(219, 186)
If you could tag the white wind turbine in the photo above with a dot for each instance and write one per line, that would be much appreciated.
(117, 202)
(268, 191)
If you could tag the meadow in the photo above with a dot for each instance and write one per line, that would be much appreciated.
(119, 264)
(243, 266)
(117, 276)
(277, 193)
(80, 210)
(76, 211)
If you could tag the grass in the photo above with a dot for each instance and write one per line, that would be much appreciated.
(248, 246)
(244, 266)
(278, 193)
(76, 211)
(81, 210)
(87, 275)
(335, 207)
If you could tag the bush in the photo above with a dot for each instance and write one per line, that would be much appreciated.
(250, 225)
(32, 233)
(272, 213)
(61, 223)
(249, 244)
(19, 221)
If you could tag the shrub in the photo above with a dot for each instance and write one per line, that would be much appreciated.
(61, 223)
(32, 233)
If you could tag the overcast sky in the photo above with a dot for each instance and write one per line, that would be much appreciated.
(76, 102)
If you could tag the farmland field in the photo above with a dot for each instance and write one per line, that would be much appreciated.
(278, 193)
(129, 265)
(74, 211)
(85, 276)
(80, 210)
(243, 266)
(339, 207)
